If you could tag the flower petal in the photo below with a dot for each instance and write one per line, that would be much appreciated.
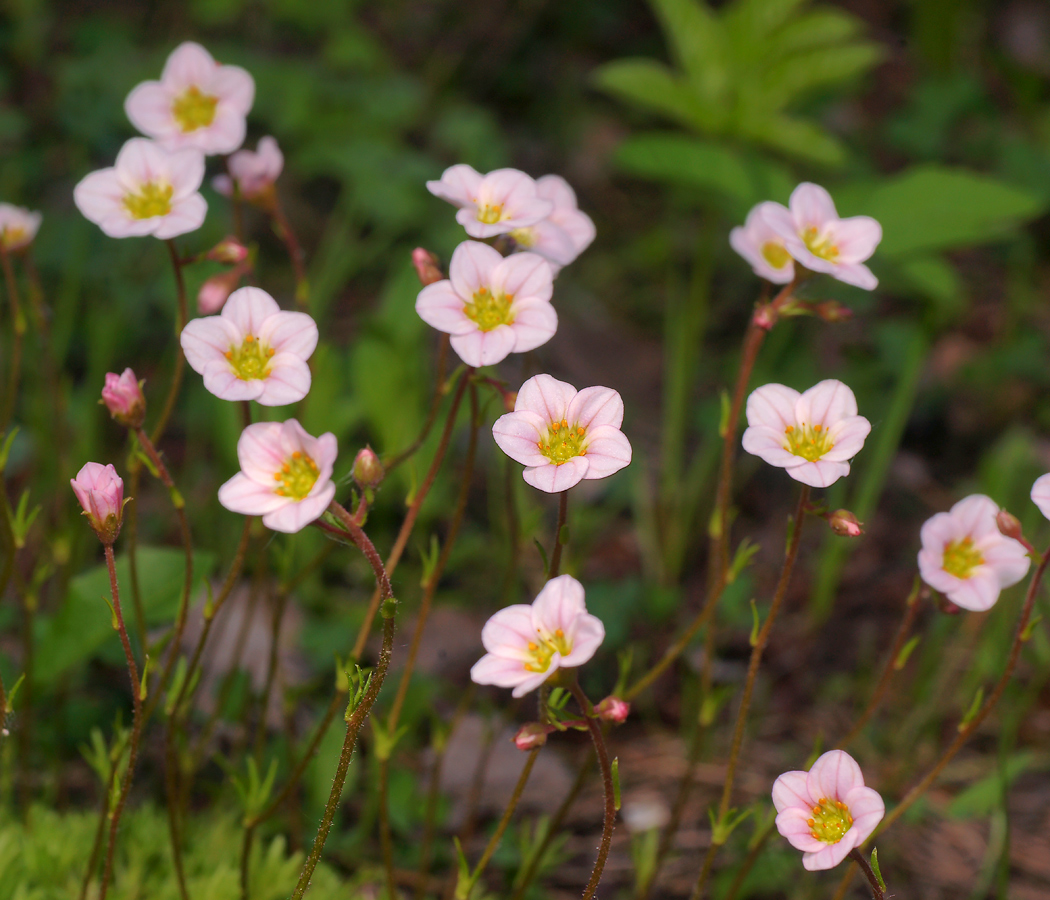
(792, 790)
(288, 381)
(296, 516)
(826, 403)
(594, 406)
(555, 479)
(484, 348)
(248, 308)
(811, 206)
(442, 308)
(607, 451)
(249, 498)
(834, 775)
(535, 323)
(523, 275)
(471, 268)
(545, 395)
(517, 434)
(772, 405)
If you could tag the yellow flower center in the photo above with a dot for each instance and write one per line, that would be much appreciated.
(524, 237)
(820, 245)
(297, 477)
(775, 254)
(808, 441)
(12, 236)
(961, 558)
(490, 214)
(489, 310)
(193, 110)
(543, 649)
(562, 442)
(831, 820)
(153, 199)
(250, 360)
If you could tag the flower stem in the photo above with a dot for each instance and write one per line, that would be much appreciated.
(180, 357)
(435, 405)
(877, 893)
(295, 254)
(18, 329)
(563, 514)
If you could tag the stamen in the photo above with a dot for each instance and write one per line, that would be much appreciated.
(193, 110)
(153, 199)
(563, 442)
(961, 558)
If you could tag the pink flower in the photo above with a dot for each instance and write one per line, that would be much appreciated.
(563, 436)
(565, 233)
(101, 494)
(814, 234)
(1041, 494)
(123, 397)
(827, 811)
(491, 204)
(966, 557)
(148, 191)
(18, 227)
(253, 350)
(761, 246)
(812, 435)
(197, 102)
(490, 305)
(285, 477)
(254, 171)
(528, 644)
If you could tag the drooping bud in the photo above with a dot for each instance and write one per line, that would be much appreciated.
(843, 522)
(228, 251)
(532, 735)
(124, 399)
(832, 311)
(427, 265)
(368, 470)
(101, 494)
(1009, 525)
(613, 709)
(765, 317)
(214, 292)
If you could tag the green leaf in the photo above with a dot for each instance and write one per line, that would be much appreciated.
(654, 87)
(799, 74)
(936, 278)
(795, 137)
(981, 798)
(697, 40)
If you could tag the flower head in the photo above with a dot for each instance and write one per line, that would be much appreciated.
(827, 811)
(123, 397)
(761, 246)
(815, 236)
(285, 477)
(490, 305)
(149, 190)
(966, 557)
(565, 233)
(18, 227)
(1041, 494)
(197, 102)
(812, 435)
(563, 435)
(254, 171)
(100, 491)
(253, 350)
(528, 644)
(491, 204)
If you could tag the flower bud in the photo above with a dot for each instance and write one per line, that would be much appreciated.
(532, 735)
(427, 267)
(213, 293)
(1009, 525)
(101, 494)
(510, 400)
(123, 397)
(765, 317)
(368, 470)
(843, 522)
(228, 251)
(832, 311)
(613, 709)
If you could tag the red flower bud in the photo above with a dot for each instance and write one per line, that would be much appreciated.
(427, 266)
(613, 709)
(1009, 525)
(123, 397)
(843, 522)
(229, 251)
(532, 735)
(368, 470)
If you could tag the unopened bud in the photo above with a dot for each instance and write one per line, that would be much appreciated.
(101, 494)
(427, 266)
(1009, 524)
(832, 311)
(613, 709)
(510, 400)
(532, 735)
(843, 522)
(214, 292)
(228, 251)
(765, 317)
(368, 470)
(124, 399)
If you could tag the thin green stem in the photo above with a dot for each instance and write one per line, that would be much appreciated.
(100, 829)
(877, 893)
(18, 330)
(563, 514)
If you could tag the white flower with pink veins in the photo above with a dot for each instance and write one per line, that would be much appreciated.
(491, 204)
(491, 306)
(562, 435)
(565, 233)
(197, 102)
(252, 350)
(149, 190)
(285, 477)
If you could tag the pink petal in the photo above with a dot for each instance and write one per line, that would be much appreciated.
(594, 406)
(867, 809)
(555, 479)
(100, 195)
(834, 775)
(780, 222)
(940, 529)
(468, 218)
(511, 189)
(248, 308)
(791, 790)
(768, 444)
(812, 206)
(296, 516)
(1041, 494)
(235, 88)
(517, 434)
(826, 403)
(442, 308)
(931, 570)
(857, 238)
(187, 65)
(186, 215)
(848, 436)
(577, 224)
(288, 381)
(501, 672)
(259, 451)
(1008, 559)
(772, 405)
(509, 631)
(607, 451)
(558, 191)
(535, 680)
(857, 274)
(523, 275)
(140, 161)
(821, 473)
(148, 107)
(558, 604)
(977, 593)
(185, 172)
(829, 857)
(223, 184)
(249, 498)
(471, 268)
(325, 451)
(535, 323)
(207, 340)
(587, 637)
(546, 396)
(290, 332)
(224, 135)
(976, 515)
(458, 185)
(792, 824)
(550, 241)
(484, 348)
(220, 380)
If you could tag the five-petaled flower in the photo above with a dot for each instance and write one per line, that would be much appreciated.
(496, 203)
(528, 644)
(252, 350)
(18, 227)
(123, 397)
(563, 436)
(812, 435)
(817, 238)
(285, 477)
(197, 102)
(149, 190)
(491, 306)
(566, 231)
(827, 811)
(761, 246)
(100, 491)
(253, 171)
(967, 558)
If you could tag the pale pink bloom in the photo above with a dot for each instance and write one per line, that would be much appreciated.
(565, 233)
(491, 306)
(253, 350)
(197, 102)
(528, 644)
(124, 399)
(149, 190)
(285, 477)
(966, 557)
(101, 494)
(814, 234)
(761, 246)
(216, 290)
(255, 171)
(812, 435)
(827, 811)
(1041, 494)
(491, 204)
(563, 436)
(18, 227)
